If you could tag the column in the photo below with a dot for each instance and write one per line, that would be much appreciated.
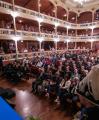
(40, 47)
(92, 39)
(67, 21)
(92, 30)
(27, 46)
(14, 21)
(92, 16)
(76, 23)
(40, 39)
(56, 42)
(14, 24)
(39, 27)
(75, 45)
(39, 5)
(55, 11)
(67, 15)
(55, 29)
(56, 45)
(56, 17)
(67, 27)
(67, 45)
(67, 36)
(76, 32)
(91, 45)
(39, 21)
(16, 46)
(67, 31)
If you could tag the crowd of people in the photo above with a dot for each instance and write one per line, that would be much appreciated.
(56, 76)
(32, 28)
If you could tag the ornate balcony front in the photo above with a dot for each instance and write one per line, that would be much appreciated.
(24, 35)
(33, 15)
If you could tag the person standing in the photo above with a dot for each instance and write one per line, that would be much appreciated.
(88, 93)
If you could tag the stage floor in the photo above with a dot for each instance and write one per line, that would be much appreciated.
(29, 104)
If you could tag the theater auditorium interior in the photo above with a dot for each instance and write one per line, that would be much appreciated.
(49, 59)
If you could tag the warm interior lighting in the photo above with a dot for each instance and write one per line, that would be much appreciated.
(21, 41)
(40, 5)
(91, 40)
(56, 39)
(92, 27)
(73, 18)
(40, 39)
(56, 24)
(14, 14)
(54, 10)
(16, 38)
(65, 15)
(39, 19)
(68, 27)
(68, 40)
(20, 21)
(81, 1)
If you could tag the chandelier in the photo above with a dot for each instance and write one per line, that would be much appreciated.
(81, 2)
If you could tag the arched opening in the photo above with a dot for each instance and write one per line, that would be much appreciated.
(6, 21)
(46, 7)
(85, 17)
(9, 1)
(84, 32)
(72, 17)
(96, 31)
(61, 30)
(61, 13)
(29, 4)
(7, 46)
(26, 25)
(61, 45)
(96, 15)
(48, 45)
(25, 46)
(47, 28)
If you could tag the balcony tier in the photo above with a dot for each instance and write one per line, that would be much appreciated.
(33, 15)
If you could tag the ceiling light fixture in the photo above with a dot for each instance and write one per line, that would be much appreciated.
(68, 40)
(16, 38)
(14, 14)
(56, 24)
(40, 39)
(40, 19)
(65, 15)
(40, 5)
(73, 18)
(81, 1)
(54, 10)
(20, 21)
(56, 39)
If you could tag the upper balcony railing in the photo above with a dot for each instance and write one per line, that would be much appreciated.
(25, 35)
(30, 14)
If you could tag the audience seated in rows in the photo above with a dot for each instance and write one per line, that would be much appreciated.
(56, 76)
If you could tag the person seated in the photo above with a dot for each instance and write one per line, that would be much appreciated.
(39, 81)
(39, 64)
(42, 88)
(51, 90)
(63, 92)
